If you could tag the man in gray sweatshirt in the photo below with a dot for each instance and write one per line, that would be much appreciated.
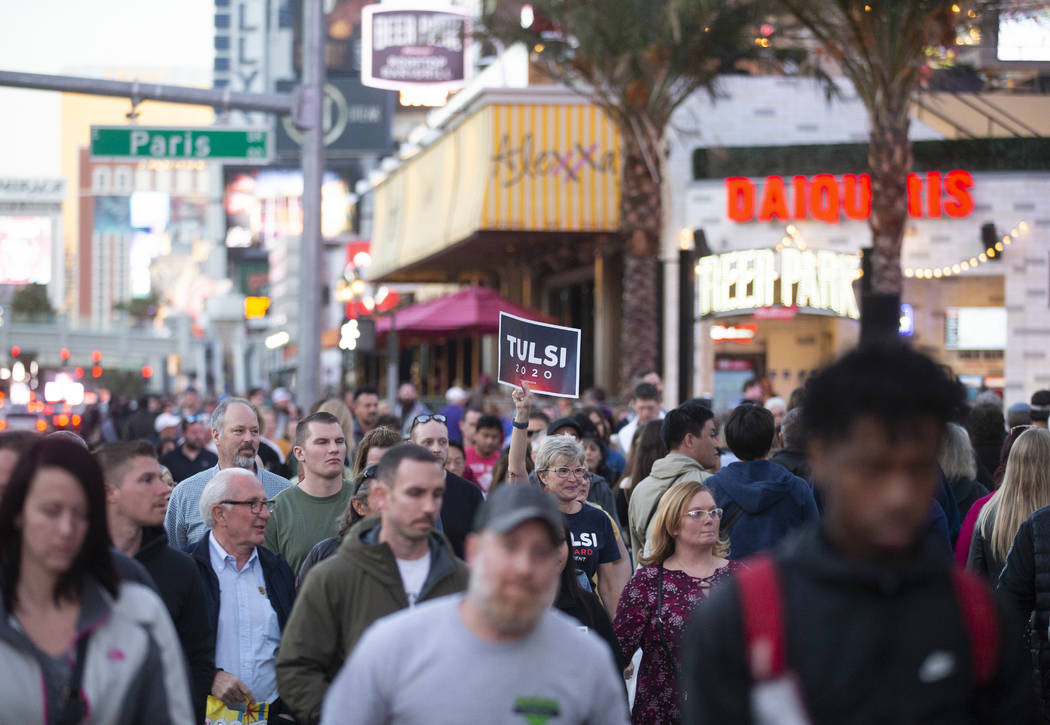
(691, 435)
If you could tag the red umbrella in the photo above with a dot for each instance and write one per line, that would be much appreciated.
(474, 310)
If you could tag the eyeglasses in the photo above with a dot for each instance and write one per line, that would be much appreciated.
(196, 418)
(702, 514)
(426, 418)
(565, 471)
(255, 506)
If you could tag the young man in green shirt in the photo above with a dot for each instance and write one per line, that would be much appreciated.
(310, 511)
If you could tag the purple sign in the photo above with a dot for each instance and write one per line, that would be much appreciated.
(413, 47)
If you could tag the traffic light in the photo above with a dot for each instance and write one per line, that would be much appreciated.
(15, 351)
(147, 371)
(64, 354)
(96, 371)
(96, 356)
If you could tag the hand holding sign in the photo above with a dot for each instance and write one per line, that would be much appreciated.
(546, 357)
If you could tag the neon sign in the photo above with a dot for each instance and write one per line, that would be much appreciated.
(734, 333)
(821, 280)
(828, 198)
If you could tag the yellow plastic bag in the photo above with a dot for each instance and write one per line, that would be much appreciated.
(219, 713)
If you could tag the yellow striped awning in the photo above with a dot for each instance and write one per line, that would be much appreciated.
(509, 167)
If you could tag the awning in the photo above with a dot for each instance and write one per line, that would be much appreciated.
(984, 115)
(471, 311)
(517, 164)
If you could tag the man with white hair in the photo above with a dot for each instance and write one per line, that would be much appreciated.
(235, 429)
(498, 653)
(248, 589)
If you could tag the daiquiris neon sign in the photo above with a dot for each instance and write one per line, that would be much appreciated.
(827, 198)
(818, 280)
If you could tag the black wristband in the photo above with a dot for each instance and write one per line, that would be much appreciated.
(520, 424)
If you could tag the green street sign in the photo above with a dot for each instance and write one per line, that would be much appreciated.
(202, 143)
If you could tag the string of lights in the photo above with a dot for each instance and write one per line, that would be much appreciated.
(793, 238)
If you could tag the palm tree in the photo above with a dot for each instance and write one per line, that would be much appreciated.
(882, 48)
(637, 60)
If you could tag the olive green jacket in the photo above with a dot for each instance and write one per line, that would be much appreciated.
(339, 600)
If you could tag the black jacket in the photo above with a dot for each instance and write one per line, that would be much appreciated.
(179, 586)
(458, 509)
(869, 642)
(966, 491)
(1025, 586)
(280, 584)
(793, 459)
(587, 609)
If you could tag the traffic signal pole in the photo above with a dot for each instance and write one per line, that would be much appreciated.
(304, 105)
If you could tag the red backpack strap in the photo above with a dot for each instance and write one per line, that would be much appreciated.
(981, 618)
(762, 617)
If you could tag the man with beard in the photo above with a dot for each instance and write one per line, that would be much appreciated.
(190, 457)
(499, 653)
(235, 429)
(385, 563)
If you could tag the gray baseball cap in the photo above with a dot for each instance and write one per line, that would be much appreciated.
(512, 504)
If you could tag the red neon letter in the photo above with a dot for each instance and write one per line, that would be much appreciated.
(857, 204)
(740, 197)
(933, 194)
(957, 185)
(774, 200)
(824, 198)
(914, 195)
(800, 185)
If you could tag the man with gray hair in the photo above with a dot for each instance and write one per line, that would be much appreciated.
(235, 430)
(792, 455)
(248, 589)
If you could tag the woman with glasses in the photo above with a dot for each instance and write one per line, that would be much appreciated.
(77, 643)
(688, 558)
(560, 468)
(1026, 488)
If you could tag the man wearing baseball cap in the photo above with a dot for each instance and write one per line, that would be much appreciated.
(498, 653)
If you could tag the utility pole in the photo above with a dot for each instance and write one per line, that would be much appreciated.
(305, 108)
(307, 383)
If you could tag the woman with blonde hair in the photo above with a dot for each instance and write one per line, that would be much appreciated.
(688, 558)
(1025, 489)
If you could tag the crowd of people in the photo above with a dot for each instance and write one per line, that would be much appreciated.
(512, 559)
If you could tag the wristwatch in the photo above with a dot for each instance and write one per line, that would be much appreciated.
(520, 424)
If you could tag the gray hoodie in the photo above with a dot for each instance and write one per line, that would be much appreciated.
(667, 471)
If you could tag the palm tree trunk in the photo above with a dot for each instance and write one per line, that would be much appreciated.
(890, 161)
(641, 222)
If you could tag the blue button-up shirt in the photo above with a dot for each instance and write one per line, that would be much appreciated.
(248, 635)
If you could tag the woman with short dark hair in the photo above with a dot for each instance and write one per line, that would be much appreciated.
(75, 640)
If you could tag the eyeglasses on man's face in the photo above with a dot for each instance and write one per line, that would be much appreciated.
(426, 418)
(703, 514)
(256, 507)
(565, 471)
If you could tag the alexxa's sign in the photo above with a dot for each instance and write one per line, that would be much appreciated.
(829, 198)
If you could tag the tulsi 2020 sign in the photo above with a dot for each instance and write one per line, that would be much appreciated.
(545, 357)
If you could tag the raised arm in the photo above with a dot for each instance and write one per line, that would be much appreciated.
(517, 472)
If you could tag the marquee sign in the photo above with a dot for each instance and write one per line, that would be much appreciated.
(758, 278)
(828, 198)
